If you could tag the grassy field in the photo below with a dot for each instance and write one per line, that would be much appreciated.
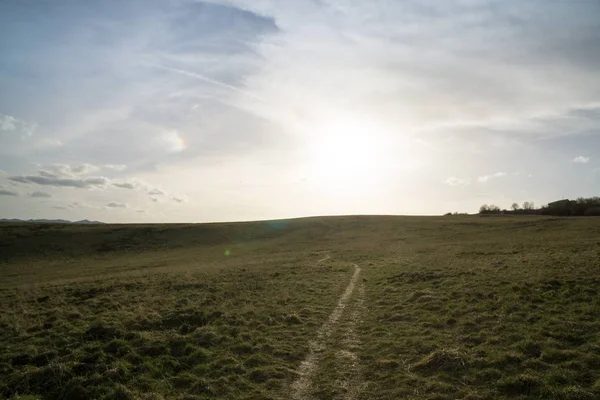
(316, 308)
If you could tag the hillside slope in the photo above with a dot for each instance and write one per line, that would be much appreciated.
(332, 307)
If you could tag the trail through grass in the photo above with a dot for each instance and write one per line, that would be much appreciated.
(328, 341)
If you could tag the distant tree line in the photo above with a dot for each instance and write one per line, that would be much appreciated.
(455, 213)
(580, 207)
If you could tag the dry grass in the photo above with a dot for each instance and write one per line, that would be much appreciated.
(486, 309)
(456, 307)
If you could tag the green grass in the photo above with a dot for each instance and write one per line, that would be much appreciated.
(454, 308)
(487, 310)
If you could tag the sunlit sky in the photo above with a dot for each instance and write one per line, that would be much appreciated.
(181, 110)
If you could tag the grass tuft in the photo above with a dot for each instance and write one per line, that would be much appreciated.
(442, 360)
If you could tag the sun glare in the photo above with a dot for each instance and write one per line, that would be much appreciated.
(344, 152)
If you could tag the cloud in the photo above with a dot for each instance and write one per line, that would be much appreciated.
(6, 192)
(139, 185)
(209, 80)
(48, 143)
(404, 54)
(74, 205)
(486, 178)
(81, 183)
(581, 160)
(68, 170)
(454, 181)
(7, 123)
(125, 185)
(154, 199)
(114, 204)
(12, 124)
(156, 192)
(172, 141)
(178, 199)
(75, 176)
(115, 167)
(40, 195)
(81, 169)
(71, 175)
(77, 204)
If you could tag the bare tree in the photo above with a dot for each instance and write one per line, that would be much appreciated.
(494, 209)
(515, 207)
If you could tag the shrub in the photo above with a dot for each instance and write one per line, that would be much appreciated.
(594, 211)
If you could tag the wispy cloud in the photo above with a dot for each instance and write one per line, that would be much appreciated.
(125, 185)
(115, 167)
(581, 160)
(486, 178)
(22, 128)
(48, 143)
(441, 39)
(454, 181)
(68, 170)
(156, 192)
(139, 186)
(207, 79)
(7, 123)
(81, 183)
(43, 195)
(75, 205)
(172, 141)
(78, 176)
(7, 192)
(114, 204)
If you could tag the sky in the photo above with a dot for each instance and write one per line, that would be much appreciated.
(197, 111)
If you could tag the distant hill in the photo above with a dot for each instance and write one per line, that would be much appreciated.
(50, 221)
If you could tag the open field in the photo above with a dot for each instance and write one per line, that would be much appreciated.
(316, 308)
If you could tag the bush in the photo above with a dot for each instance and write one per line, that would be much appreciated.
(594, 211)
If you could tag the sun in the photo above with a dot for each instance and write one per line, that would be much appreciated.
(343, 152)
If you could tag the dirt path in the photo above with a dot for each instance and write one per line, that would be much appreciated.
(327, 341)
(347, 364)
